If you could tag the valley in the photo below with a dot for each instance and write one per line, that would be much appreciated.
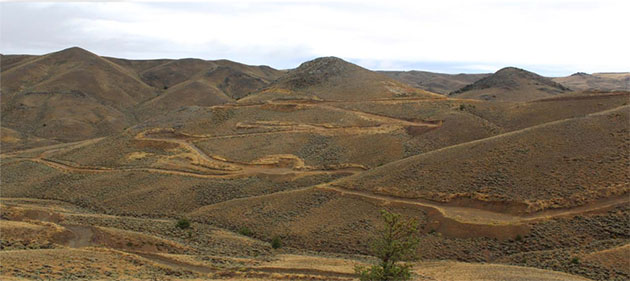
(511, 176)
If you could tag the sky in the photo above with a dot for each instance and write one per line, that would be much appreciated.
(550, 37)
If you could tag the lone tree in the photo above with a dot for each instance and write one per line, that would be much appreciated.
(396, 243)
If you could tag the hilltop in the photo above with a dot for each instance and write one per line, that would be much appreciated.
(70, 95)
(331, 78)
(596, 81)
(511, 84)
(74, 94)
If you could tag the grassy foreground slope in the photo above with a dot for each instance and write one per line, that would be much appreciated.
(47, 239)
(565, 163)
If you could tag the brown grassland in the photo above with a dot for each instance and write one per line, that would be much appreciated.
(531, 184)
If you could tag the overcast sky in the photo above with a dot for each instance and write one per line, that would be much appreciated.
(551, 37)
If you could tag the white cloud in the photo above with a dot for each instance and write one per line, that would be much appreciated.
(557, 36)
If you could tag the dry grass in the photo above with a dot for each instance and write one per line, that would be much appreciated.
(465, 271)
(511, 84)
(74, 94)
(84, 263)
(560, 164)
(276, 167)
(613, 259)
(596, 81)
(334, 79)
(434, 82)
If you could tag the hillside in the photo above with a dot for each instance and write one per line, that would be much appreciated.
(70, 95)
(202, 83)
(511, 84)
(440, 83)
(596, 81)
(306, 164)
(554, 165)
(331, 78)
(103, 157)
(74, 94)
(61, 235)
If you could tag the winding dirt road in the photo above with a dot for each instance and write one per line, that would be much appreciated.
(480, 216)
(233, 169)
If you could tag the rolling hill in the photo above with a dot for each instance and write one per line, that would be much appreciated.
(74, 94)
(528, 167)
(513, 177)
(511, 84)
(70, 95)
(596, 81)
(331, 78)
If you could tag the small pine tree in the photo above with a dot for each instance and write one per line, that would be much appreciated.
(396, 243)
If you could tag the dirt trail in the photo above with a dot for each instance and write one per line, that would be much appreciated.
(224, 168)
(46, 150)
(303, 271)
(460, 214)
(171, 262)
(480, 216)
(245, 173)
(232, 169)
(515, 132)
(382, 118)
(246, 169)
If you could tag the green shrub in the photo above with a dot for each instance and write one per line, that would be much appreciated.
(245, 231)
(518, 238)
(575, 260)
(183, 223)
(276, 242)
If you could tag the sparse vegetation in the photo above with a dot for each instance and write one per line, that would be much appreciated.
(328, 121)
(398, 241)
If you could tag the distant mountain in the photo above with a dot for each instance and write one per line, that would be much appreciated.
(511, 84)
(331, 78)
(440, 83)
(596, 81)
